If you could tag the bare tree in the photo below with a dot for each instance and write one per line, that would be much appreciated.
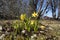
(50, 5)
(59, 9)
(53, 7)
(41, 11)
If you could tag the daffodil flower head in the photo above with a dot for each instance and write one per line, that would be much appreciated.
(34, 14)
(32, 22)
(23, 16)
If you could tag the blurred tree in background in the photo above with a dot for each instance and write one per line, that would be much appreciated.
(59, 9)
(11, 9)
(48, 5)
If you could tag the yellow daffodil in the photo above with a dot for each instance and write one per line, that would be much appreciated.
(22, 17)
(42, 27)
(32, 22)
(34, 14)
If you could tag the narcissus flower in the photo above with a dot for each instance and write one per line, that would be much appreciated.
(42, 27)
(34, 14)
(22, 17)
(32, 22)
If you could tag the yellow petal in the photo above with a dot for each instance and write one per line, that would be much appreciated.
(32, 22)
(22, 17)
(34, 14)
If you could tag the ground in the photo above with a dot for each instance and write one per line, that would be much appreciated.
(52, 23)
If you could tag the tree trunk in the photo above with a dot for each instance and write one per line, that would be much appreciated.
(54, 9)
(59, 9)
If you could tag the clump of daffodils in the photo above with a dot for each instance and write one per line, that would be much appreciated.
(34, 14)
(30, 27)
(23, 16)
